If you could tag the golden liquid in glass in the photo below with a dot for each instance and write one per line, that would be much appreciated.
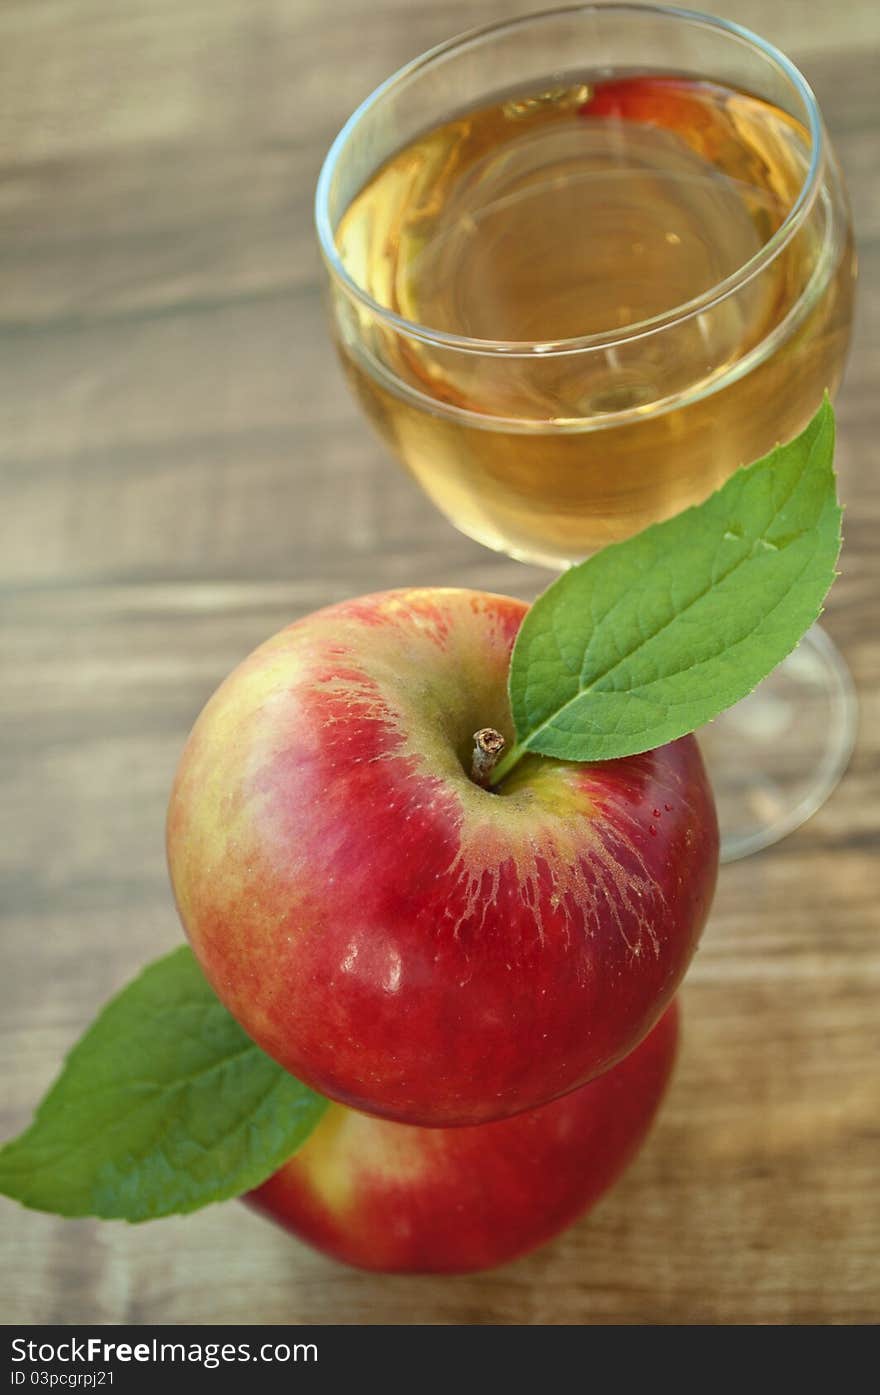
(587, 211)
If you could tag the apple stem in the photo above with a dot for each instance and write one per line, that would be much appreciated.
(488, 745)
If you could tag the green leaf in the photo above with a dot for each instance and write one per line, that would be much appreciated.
(163, 1106)
(653, 637)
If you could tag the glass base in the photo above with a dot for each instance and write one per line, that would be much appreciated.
(775, 757)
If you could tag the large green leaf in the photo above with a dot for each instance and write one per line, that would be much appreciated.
(653, 637)
(163, 1106)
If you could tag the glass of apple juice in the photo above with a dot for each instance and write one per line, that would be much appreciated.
(583, 265)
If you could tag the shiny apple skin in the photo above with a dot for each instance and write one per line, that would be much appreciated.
(399, 1199)
(405, 942)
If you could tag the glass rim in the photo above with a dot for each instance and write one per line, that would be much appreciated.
(639, 329)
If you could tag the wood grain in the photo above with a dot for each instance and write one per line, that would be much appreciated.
(182, 473)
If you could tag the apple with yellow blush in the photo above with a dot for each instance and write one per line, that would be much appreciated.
(404, 940)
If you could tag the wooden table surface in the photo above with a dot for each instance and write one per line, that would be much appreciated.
(183, 472)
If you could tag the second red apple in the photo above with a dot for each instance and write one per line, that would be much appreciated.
(406, 1200)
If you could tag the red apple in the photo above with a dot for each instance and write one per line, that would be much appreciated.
(689, 108)
(399, 938)
(409, 1200)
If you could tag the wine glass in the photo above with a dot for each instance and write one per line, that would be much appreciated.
(582, 265)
